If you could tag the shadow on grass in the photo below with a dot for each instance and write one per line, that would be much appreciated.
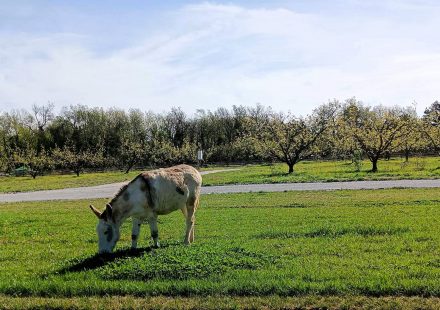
(99, 260)
(285, 174)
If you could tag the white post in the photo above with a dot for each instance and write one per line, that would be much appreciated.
(199, 157)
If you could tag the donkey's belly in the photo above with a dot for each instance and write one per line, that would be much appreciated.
(170, 204)
(168, 209)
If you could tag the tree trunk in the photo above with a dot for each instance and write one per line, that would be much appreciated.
(290, 167)
(129, 168)
(406, 155)
(374, 161)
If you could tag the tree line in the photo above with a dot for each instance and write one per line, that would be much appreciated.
(81, 137)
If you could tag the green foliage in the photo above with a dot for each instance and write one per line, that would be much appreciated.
(412, 140)
(374, 130)
(131, 153)
(357, 160)
(38, 164)
(70, 158)
(430, 126)
(94, 138)
(290, 139)
(246, 148)
(432, 113)
(165, 154)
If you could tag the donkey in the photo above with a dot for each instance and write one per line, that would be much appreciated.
(148, 195)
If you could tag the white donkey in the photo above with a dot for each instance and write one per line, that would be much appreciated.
(150, 194)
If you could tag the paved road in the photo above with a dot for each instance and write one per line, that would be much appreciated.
(318, 186)
(108, 190)
(99, 191)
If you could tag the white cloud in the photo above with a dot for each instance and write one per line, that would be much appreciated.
(210, 55)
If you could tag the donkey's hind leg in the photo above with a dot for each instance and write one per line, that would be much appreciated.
(154, 230)
(135, 232)
(191, 234)
(191, 237)
(189, 213)
(187, 228)
(189, 225)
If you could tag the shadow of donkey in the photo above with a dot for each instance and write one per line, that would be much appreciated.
(99, 260)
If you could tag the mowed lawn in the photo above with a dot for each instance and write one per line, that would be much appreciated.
(329, 171)
(12, 184)
(338, 243)
(307, 171)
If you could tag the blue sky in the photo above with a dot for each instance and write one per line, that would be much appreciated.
(152, 55)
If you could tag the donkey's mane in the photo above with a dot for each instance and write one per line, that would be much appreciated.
(122, 189)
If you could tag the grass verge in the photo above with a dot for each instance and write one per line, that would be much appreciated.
(222, 302)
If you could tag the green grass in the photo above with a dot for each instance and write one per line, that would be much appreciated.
(329, 171)
(348, 243)
(9, 184)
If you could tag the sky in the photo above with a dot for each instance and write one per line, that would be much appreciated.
(154, 55)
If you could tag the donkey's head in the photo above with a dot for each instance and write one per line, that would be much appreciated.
(108, 231)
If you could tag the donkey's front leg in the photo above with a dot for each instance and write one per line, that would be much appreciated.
(135, 232)
(154, 230)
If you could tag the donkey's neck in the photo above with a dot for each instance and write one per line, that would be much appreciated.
(121, 211)
(128, 201)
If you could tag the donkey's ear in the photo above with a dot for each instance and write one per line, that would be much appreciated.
(108, 210)
(96, 211)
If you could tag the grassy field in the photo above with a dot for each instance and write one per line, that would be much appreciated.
(11, 184)
(307, 171)
(364, 244)
(329, 171)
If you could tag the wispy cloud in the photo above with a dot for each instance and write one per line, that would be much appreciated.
(209, 55)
